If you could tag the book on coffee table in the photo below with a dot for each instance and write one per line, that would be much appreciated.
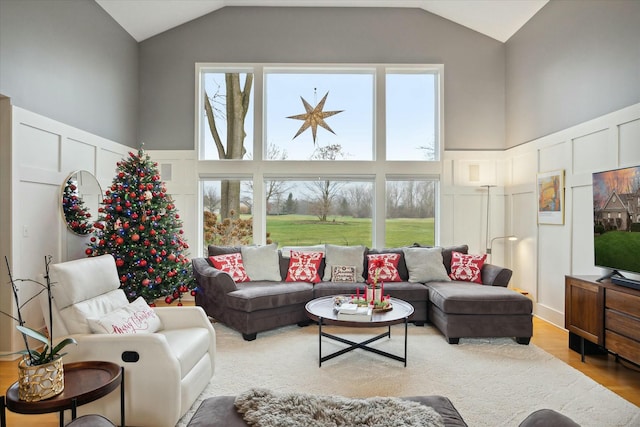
(357, 314)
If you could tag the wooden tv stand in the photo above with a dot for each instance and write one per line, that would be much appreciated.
(604, 314)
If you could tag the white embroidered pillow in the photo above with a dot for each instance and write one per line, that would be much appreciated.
(303, 267)
(135, 318)
(232, 265)
(467, 268)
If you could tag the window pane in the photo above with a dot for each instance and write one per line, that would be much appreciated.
(347, 111)
(301, 213)
(228, 209)
(411, 116)
(222, 102)
(410, 213)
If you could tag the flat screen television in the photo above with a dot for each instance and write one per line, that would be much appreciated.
(616, 220)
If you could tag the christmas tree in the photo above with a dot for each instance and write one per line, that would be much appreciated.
(139, 225)
(75, 213)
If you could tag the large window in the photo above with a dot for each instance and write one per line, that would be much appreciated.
(308, 154)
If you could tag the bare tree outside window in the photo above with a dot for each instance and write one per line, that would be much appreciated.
(236, 106)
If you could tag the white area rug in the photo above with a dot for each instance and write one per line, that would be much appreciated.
(492, 382)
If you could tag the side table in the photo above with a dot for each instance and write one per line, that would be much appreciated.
(84, 382)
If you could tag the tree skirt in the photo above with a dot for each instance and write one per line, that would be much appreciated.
(263, 408)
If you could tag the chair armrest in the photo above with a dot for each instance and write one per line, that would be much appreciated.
(182, 317)
(153, 349)
(494, 275)
(210, 278)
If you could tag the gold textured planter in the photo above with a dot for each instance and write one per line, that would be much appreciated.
(40, 382)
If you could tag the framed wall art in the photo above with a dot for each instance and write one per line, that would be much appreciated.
(550, 192)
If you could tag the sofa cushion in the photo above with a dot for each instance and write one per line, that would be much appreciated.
(303, 267)
(468, 298)
(446, 254)
(262, 262)
(222, 250)
(407, 291)
(402, 265)
(467, 268)
(385, 266)
(231, 264)
(344, 255)
(134, 318)
(324, 289)
(425, 264)
(264, 295)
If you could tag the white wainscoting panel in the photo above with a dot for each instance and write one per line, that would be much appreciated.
(592, 151)
(582, 231)
(524, 167)
(553, 157)
(629, 134)
(39, 148)
(45, 152)
(607, 142)
(525, 254)
(78, 155)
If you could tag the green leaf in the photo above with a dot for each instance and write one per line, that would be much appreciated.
(33, 334)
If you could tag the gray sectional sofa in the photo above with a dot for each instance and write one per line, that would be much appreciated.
(458, 309)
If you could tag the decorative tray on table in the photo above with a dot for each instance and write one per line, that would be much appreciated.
(379, 307)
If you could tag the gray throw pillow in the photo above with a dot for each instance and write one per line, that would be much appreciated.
(343, 255)
(425, 265)
(261, 262)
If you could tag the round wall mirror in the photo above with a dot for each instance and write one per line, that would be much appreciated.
(81, 197)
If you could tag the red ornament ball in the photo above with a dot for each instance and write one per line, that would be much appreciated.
(119, 262)
(88, 251)
(135, 237)
(168, 300)
(119, 241)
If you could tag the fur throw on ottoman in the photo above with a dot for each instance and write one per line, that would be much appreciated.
(263, 408)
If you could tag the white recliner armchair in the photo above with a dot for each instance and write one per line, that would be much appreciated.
(173, 366)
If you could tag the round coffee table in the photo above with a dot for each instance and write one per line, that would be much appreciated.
(322, 311)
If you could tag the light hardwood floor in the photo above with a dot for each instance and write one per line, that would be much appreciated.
(620, 377)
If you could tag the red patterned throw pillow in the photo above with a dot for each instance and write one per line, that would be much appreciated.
(467, 268)
(232, 264)
(387, 265)
(303, 267)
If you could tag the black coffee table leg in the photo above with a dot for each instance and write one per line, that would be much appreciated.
(406, 322)
(320, 342)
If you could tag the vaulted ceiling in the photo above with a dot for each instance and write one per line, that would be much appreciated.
(499, 19)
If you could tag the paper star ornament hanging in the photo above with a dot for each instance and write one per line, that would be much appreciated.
(314, 117)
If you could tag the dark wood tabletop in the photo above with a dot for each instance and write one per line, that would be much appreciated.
(323, 308)
(83, 381)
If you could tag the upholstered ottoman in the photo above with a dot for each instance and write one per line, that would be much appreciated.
(470, 310)
(220, 412)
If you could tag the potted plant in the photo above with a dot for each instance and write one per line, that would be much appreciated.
(40, 372)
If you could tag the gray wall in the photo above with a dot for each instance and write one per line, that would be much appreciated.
(572, 62)
(474, 65)
(70, 61)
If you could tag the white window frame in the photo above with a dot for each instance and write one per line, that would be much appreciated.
(379, 168)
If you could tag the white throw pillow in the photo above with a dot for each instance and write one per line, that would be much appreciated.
(135, 318)
(344, 255)
(262, 262)
(425, 265)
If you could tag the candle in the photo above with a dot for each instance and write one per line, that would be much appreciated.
(381, 290)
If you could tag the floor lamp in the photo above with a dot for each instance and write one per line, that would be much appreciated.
(486, 238)
(511, 238)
